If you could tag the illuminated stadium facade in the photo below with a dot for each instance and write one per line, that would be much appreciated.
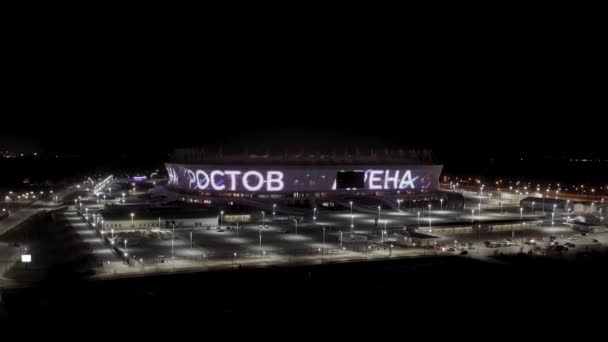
(400, 174)
(290, 179)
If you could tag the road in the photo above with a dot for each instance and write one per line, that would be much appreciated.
(101, 251)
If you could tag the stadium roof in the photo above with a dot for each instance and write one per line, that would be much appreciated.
(286, 157)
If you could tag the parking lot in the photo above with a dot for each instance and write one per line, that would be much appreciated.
(328, 237)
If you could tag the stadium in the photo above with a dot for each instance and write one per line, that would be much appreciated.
(391, 178)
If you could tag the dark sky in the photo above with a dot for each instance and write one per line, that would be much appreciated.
(445, 123)
(449, 75)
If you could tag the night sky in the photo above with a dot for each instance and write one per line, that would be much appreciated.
(447, 124)
(455, 76)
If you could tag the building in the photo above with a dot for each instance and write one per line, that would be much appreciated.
(119, 217)
(548, 204)
(299, 177)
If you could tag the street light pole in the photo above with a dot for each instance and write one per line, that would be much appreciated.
(383, 232)
(323, 247)
(418, 219)
(296, 223)
(352, 223)
(172, 242)
(521, 213)
(543, 197)
(260, 236)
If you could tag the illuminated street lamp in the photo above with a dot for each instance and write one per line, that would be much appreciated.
(521, 213)
(441, 203)
(533, 203)
(314, 215)
(274, 207)
(418, 219)
(323, 250)
(260, 236)
(132, 215)
(399, 204)
(263, 220)
(221, 218)
(352, 223)
(123, 197)
(379, 208)
(429, 215)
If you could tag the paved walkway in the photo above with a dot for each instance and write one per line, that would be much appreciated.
(103, 252)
